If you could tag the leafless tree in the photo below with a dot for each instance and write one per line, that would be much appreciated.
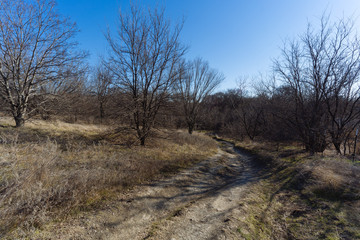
(323, 69)
(196, 81)
(144, 54)
(35, 49)
(249, 110)
(57, 96)
(101, 87)
(342, 90)
(251, 115)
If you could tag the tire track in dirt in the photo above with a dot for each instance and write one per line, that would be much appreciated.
(197, 203)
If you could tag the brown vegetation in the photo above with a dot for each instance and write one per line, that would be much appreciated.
(302, 196)
(51, 168)
(55, 169)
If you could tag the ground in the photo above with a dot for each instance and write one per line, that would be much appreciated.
(68, 181)
(201, 202)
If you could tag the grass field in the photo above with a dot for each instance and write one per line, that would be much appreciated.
(50, 170)
(301, 196)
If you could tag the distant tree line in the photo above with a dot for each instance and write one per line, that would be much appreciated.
(313, 96)
(146, 81)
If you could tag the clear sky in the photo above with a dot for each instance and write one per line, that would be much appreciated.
(238, 37)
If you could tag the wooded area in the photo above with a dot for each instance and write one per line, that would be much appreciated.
(146, 82)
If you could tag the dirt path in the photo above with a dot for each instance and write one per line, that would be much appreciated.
(198, 203)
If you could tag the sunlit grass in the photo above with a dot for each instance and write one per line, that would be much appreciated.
(301, 196)
(57, 127)
(53, 169)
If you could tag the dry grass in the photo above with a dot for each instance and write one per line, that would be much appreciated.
(57, 127)
(42, 180)
(302, 196)
(333, 178)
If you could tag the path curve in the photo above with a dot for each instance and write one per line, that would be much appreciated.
(198, 203)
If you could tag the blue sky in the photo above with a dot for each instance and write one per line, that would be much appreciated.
(238, 37)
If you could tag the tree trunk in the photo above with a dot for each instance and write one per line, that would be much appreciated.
(337, 147)
(315, 141)
(19, 120)
(102, 113)
(142, 141)
(191, 126)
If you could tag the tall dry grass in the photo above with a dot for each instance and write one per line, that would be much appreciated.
(301, 196)
(42, 180)
(333, 178)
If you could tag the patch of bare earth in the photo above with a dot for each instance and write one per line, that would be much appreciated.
(198, 203)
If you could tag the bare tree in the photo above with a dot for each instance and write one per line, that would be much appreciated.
(341, 90)
(249, 110)
(251, 114)
(35, 49)
(101, 87)
(55, 97)
(196, 81)
(144, 53)
(322, 70)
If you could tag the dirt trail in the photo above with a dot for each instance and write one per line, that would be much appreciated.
(199, 203)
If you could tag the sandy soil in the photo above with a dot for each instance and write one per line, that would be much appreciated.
(202, 202)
